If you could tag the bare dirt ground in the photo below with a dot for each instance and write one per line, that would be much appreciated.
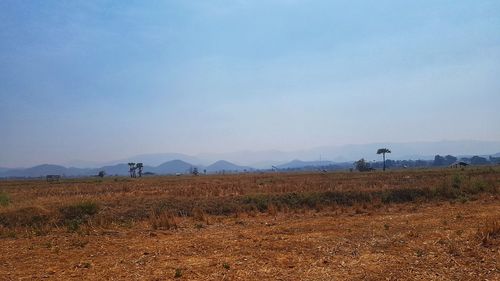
(411, 241)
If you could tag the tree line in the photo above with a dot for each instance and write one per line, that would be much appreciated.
(439, 161)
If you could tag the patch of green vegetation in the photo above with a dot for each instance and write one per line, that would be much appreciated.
(456, 181)
(79, 211)
(4, 199)
(294, 200)
(75, 215)
(32, 217)
(73, 225)
(402, 195)
(7, 233)
(419, 253)
(178, 273)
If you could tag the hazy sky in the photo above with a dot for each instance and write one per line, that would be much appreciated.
(102, 80)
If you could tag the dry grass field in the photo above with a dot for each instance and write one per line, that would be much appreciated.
(438, 224)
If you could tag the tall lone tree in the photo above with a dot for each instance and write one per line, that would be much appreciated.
(383, 151)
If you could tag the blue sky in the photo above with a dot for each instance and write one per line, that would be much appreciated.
(102, 80)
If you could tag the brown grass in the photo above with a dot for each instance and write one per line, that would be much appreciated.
(124, 201)
(163, 220)
(426, 224)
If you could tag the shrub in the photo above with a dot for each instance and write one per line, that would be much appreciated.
(4, 199)
(75, 215)
(34, 217)
(475, 186)
(479, 185)
(178, 273)
(445, 191)
(456, 181)
(259, 201)
(79, 211)
(73, 225)
(402, 195)
(7, 233)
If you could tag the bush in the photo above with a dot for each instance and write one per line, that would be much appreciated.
(4, 199)
(478, 185)
(456, 181)
(445, 191)
(294, 200)
(73, 225)
(79, 211)
(35, 217)
(75, 215)
(178, 273)
(402, 195)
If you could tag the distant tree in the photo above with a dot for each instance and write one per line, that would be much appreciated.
(132, 169)
(383, 151)
(101, 174)
(194, 171)
(476, 160)
(438, 161)
(139, 167)
(391, 163)
(449, 159)
(362, 166)
(421, 163)
(495, 160)
(465, 159)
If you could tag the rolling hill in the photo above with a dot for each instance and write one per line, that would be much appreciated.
(46, 169)
(171, 167)
(226, 166)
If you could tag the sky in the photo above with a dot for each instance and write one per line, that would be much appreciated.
(103, 80)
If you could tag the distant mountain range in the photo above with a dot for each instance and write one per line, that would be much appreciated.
(167, 168)
(342, 153)
(295, 164)
(172, 163)
(314, 165)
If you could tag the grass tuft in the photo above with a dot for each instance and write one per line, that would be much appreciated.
(163, 220)
(489, 233)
